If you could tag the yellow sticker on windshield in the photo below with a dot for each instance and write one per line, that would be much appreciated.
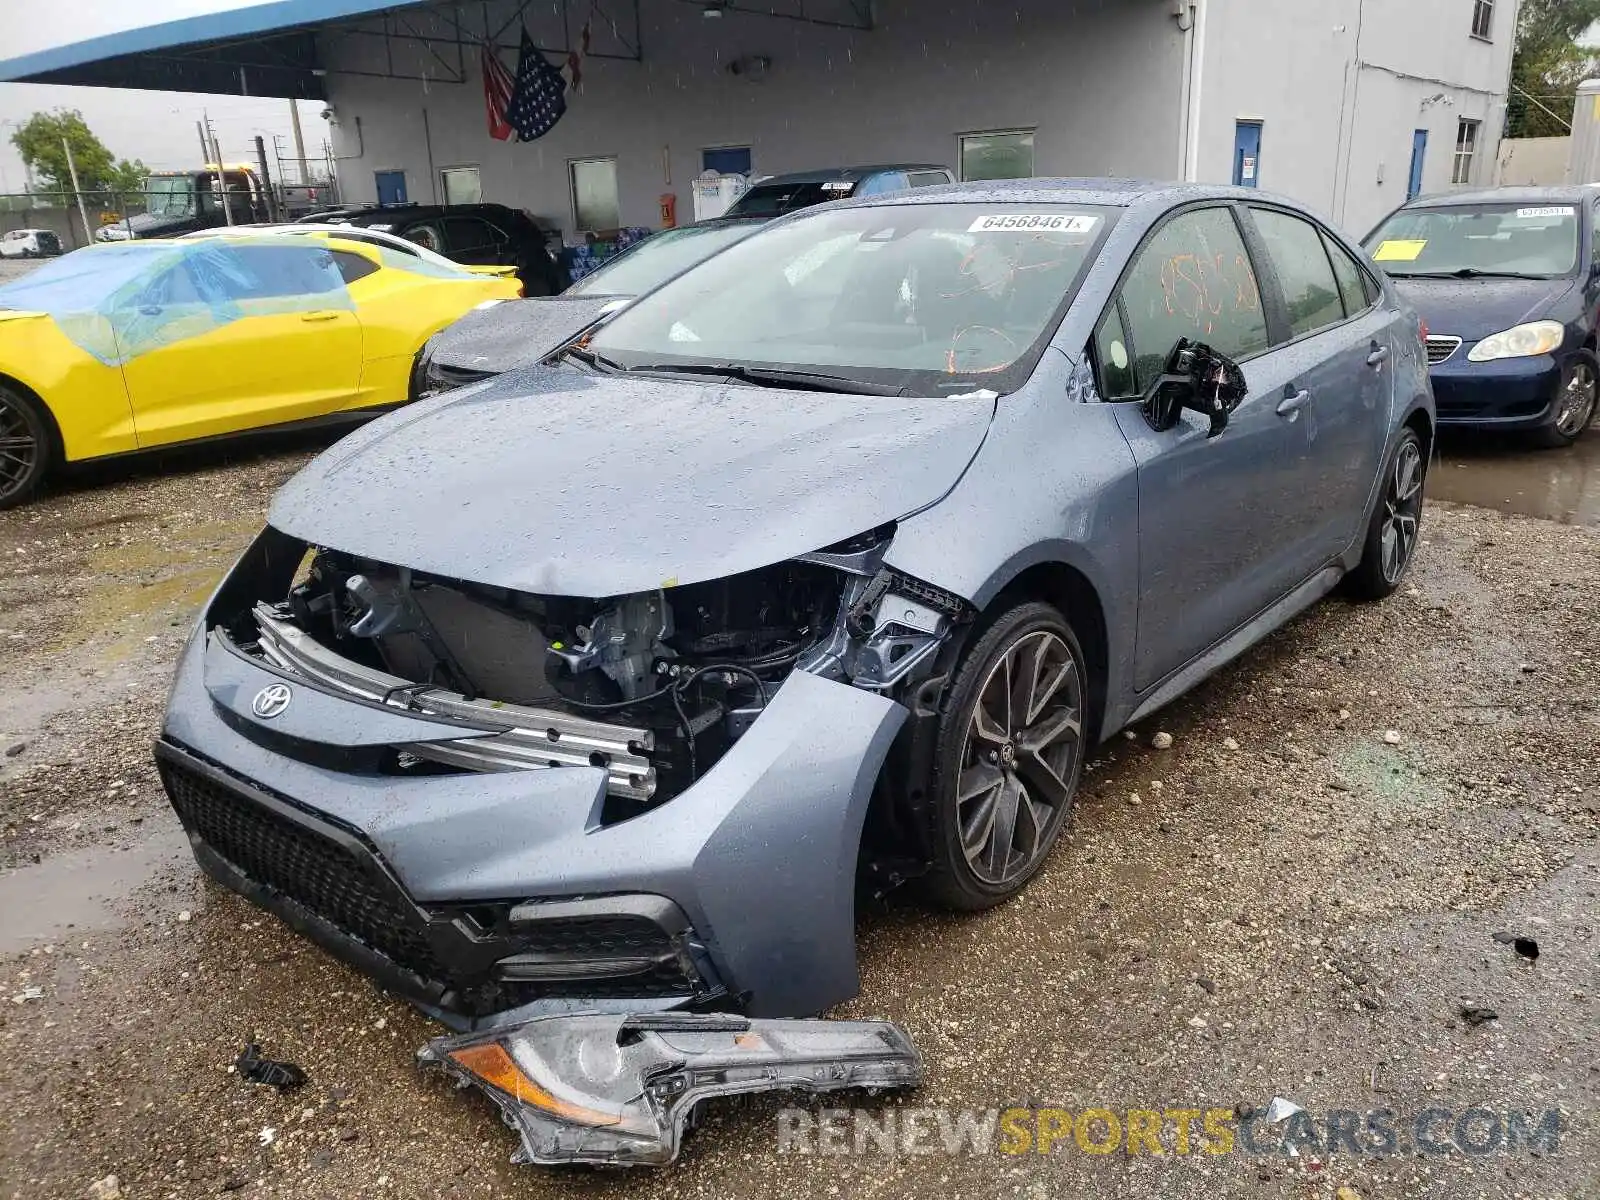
(1399, 251)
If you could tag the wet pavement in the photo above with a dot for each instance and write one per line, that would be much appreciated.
(1501, 473)
(1291, 901)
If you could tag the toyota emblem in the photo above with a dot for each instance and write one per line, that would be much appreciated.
(271, 700)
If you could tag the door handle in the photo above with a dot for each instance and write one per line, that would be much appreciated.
(1290, 406)
(1378, 357)
(319, 316)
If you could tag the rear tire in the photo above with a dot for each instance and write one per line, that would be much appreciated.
(1392, 534)
(1008, 758)
(1575, 405)
(27, 446)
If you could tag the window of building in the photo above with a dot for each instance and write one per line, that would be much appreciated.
(727, 160)
(1482, 18)
(594, 194)
(460, 185)
(1006, 155)
(1466, 151)
(1193, 279)
(1309, 289)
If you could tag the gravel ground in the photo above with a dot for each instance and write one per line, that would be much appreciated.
(1292, 900)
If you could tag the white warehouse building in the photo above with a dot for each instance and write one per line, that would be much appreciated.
(1348, 105)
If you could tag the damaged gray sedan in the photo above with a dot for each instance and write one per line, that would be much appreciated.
(602, 687)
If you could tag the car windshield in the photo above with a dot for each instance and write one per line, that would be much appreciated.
(169, 195)
(657, 259)
(923, 298)
(1534, 241)
(775, 199)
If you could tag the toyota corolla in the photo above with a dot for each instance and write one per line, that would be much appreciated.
(602, 685)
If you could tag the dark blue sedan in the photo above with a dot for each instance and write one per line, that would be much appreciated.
(1508, 285)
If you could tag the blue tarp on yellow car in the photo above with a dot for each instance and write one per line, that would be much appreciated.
(119, 301)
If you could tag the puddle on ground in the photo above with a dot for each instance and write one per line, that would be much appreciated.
(83, 890)
(1558, 485)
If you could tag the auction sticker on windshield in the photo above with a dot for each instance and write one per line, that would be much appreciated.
(1399, 251)
(1558, 211)
(1035, 223)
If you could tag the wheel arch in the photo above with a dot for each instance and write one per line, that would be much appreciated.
(57, 444)
(1068, 588)
(1419, 420)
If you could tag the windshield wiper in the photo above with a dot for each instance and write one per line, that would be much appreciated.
(1468, 273)
(596, 362)
(777, 377)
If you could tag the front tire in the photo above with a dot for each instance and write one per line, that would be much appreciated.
(1575, 403)
(1396, 523)
(27, 447)
(1009, 756)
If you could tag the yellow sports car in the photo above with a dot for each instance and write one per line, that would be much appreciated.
(133, 345)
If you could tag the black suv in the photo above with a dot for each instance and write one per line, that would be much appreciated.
(475, 235)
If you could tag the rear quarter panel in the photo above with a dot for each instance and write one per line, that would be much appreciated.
(85, 397)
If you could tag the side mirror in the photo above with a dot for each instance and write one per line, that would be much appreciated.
(1197, 378)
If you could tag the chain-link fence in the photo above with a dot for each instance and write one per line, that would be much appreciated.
(174, 205)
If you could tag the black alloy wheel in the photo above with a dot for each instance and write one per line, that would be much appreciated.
(1010, 755)
(1396, 524)
(25, 447)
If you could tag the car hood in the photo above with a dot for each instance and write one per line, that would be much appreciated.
(145, 225)
(515, 334)
(551, 482)
(1472, 309)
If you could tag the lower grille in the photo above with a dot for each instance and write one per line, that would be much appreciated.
(345, 889)
(1440, 349)
(466, 957)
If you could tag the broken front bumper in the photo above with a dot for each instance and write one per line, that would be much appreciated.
(486, 897)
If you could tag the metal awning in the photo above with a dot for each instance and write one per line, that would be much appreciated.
(271, 48)
(261, 50)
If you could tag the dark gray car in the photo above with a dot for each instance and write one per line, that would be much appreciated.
(519, 333)
(600, 685)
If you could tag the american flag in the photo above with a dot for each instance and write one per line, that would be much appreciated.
(539, 99)
(497, 88)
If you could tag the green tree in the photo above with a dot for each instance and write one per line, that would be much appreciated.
(39, 142)
(1549, 65)
(127, 176)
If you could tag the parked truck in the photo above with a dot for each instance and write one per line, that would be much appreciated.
(178, 202)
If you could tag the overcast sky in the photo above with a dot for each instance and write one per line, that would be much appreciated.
(157, 127)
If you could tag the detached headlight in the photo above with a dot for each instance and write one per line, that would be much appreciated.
(619, 1090)
(1523, 341)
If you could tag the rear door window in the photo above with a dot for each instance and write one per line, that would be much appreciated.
(1304, 272)
(1193, 279)
(472, 240)
(353, 266)
(1352, 286)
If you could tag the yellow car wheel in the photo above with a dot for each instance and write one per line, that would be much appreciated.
(27, 445)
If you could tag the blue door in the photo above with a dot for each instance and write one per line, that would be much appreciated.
(391, 187)
(1419, 156)
(1247, 154)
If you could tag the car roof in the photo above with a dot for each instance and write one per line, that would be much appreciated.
(843, 174)
(1575, 194)
(1116, 193)
(408, 212)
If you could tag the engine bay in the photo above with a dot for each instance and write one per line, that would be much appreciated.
(655, 686)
